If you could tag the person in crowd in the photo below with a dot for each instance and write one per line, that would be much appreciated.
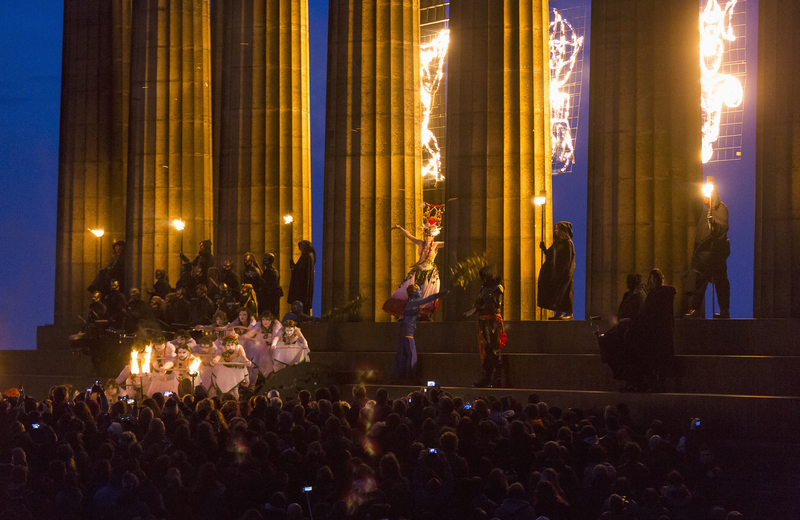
(491, 334)
(116, 305)
(115, 270)
(231, 279)
(203, 260)
(424, 273)
(301, 285)
(405, 359)
(633, 298)
(710, 259)
(271, 283)
(289, 347)
(203, 308)
(161, 286)
(555, 278)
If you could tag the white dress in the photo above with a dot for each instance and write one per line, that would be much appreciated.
(424, 274)
(161, 380)
(230, 370)
(289, 352)
(262, 350)
(206, 370)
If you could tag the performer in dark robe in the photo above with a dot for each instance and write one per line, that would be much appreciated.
(115, 270)
(555, 277)
(203, 260)
(116, 304)
(710, 258)
(271, 283)
(640, 350)
(491, 333)
(231, 279)
(161, 286)
(136, 313)
(301, 285)
(633, 299)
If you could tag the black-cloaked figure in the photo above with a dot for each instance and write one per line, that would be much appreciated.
(203, 260)
(491, 333)
(116, 305)
(231, 279)
(710, 259)
(633, 299)
(273, 292)
(161, 286)
(115, 270)
(301, 286)
(555, 278)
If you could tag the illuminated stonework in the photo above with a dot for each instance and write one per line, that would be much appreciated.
(432, 56)
(716, 89)
(564, 46)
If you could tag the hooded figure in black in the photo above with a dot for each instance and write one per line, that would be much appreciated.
(555, 278)
(115, 270)
(301, 286)
(710, 259)
(203, 260)
(271, 282)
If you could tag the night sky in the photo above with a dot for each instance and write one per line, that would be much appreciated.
(30, 83)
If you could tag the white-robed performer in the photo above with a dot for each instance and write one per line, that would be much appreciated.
(424, 272)
(290, 347)
(261, 345)
(244, 328)
(206, 351)
(161, 362)
(229, 370)
(217, 330)
(185, 368)
(135, 383)
(182, 337)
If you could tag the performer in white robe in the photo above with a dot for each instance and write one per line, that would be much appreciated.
(245, 328)
(290, 347)
(218, 330)
(182, 369)
(130, 384)
(230, 368)
(262, 350)
(206, 351)
(161, 361)
(182, 337)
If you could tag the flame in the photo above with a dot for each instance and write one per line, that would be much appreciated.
(431, 63)
(134, 362)
(179, 224)
(97, 232)
(195, 366)
(288, 219)
(716, 89)
(564, 46)
(146, 364)
(708, 189)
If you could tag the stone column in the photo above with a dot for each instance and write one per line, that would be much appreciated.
(372, 151)
(644, 145)
(776, 286)
(92, 147)
(498, 157)
(264, 161)
(169, 161)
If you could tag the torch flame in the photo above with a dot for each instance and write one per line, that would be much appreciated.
(134, 362)
(179, 224)
(146, 364)
(195, 366)
(707, 190)
(288, 219)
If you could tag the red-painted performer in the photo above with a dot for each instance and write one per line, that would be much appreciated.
(491, 333)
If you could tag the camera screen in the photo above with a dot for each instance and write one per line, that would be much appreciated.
(307, 489)
(431, 383)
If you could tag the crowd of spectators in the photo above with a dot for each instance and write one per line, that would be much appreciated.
(427, 455)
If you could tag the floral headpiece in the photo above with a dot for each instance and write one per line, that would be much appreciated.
(432, 215)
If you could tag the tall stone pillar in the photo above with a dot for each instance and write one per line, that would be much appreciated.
(372, 151)
(169, 162)
(644, 145)
(776, 287)
(264, 161)
(498, 156)
(92, 147)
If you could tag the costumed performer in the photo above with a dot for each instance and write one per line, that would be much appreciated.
(182, 337)
(290, 347)
(301, 284)
(229, 370)
(491, 332)
(261, 345)
(218, 329)
(182, 370)
(405, 359)
(424, 272)
(555, 278)
(244, 328)
(161, 362)
(206, 351)
(710, 258)
(131, 384)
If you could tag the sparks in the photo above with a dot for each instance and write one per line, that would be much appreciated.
(431, 72)
(716, 89)
(564, 47)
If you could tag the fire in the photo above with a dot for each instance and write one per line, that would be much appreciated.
(195, 366)
(564, 47)
(146, 364)
(431, 72)
(134, 362)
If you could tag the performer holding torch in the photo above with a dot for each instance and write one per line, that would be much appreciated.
(711, 252)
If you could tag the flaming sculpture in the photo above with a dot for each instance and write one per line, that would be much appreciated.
(564, 47)
(432, 56)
